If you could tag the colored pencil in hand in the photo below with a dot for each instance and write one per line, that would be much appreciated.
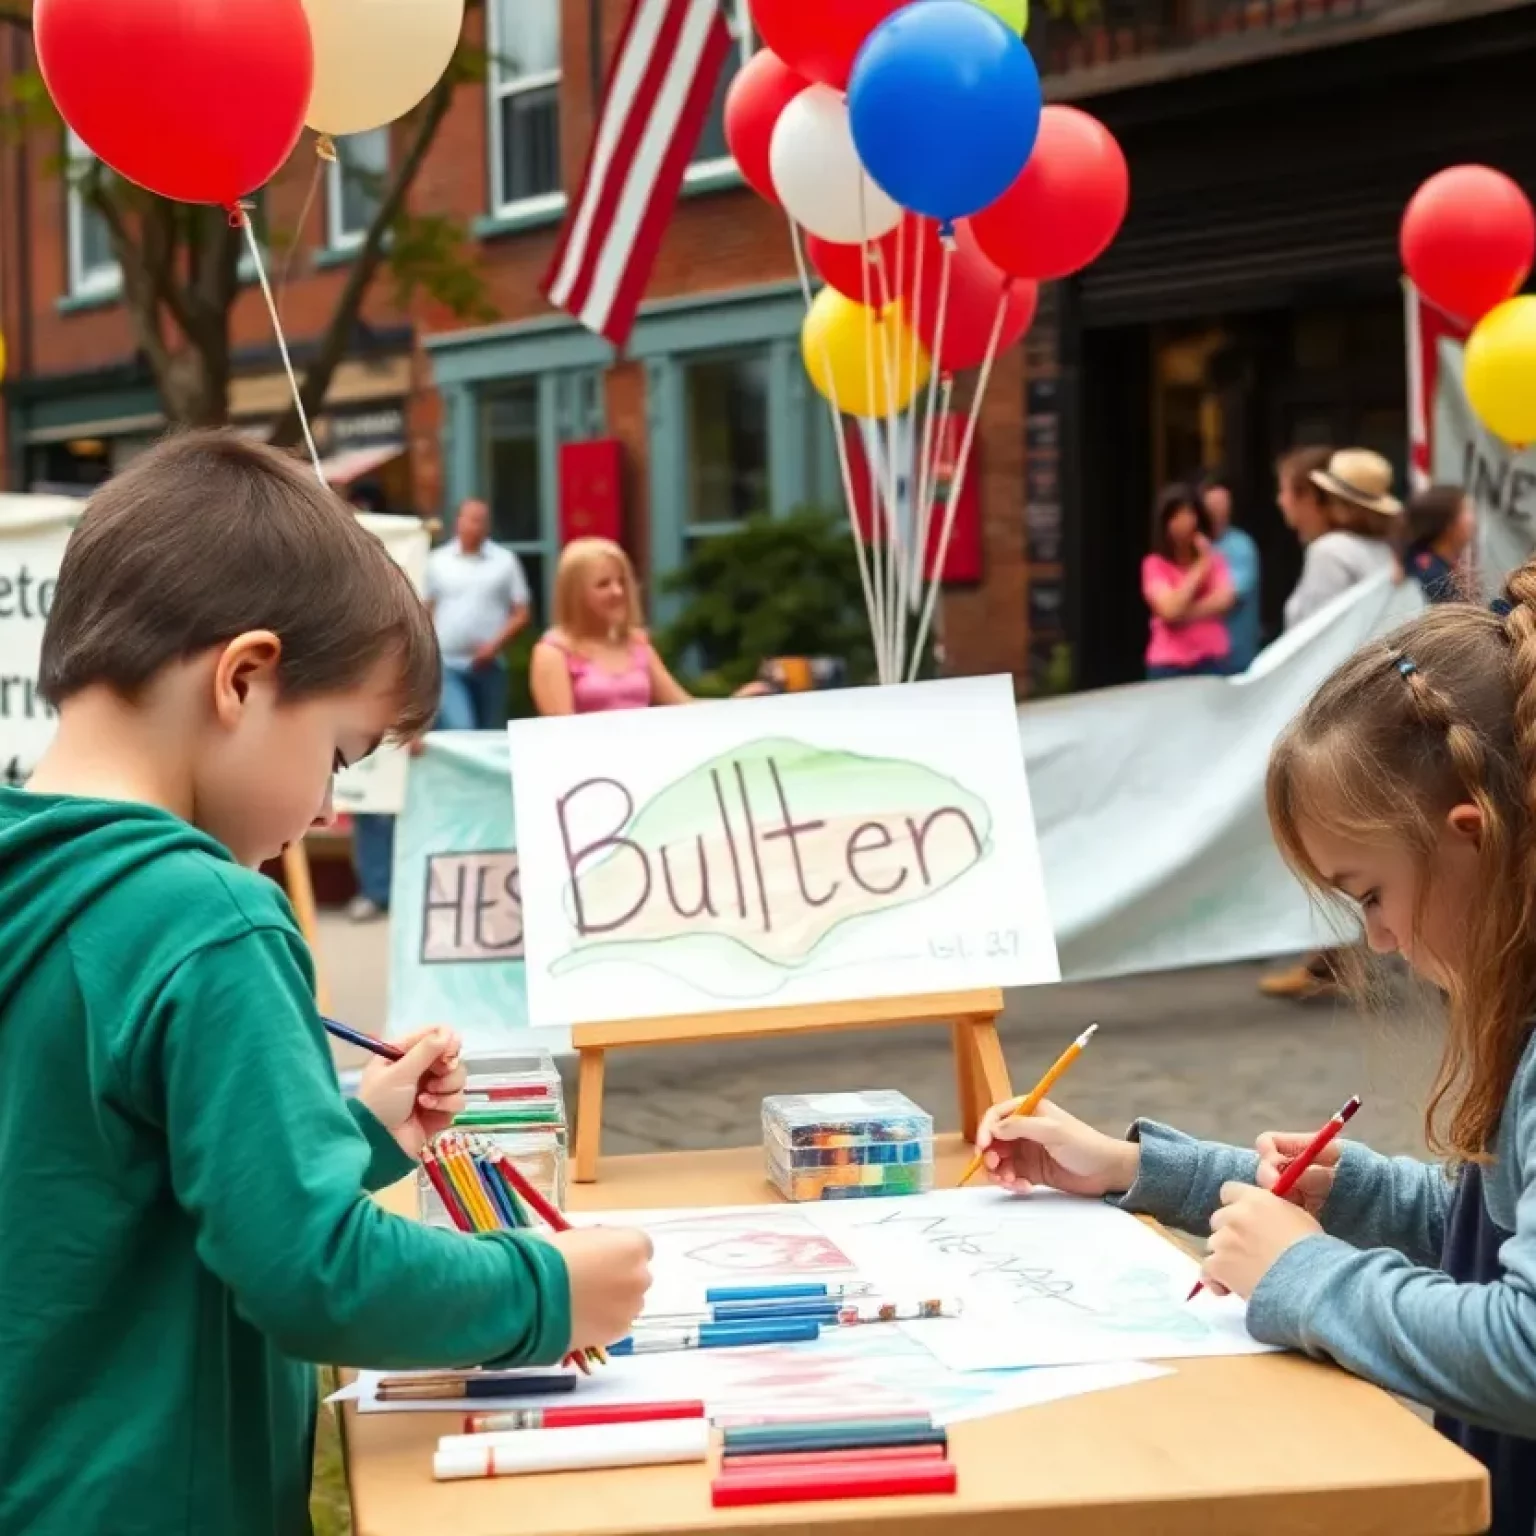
(364, 1042)
(1031, 1101)
(1302, 1161)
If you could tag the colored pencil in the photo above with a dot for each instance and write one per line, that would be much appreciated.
(854, 1480)
(864, 1453)
(787, 1291)
(571, 1418)
(832, 1439)
(542, 1208)
(401, 1389)
(659, 1341)
(364, 1042)
(1302, 1161)
(1032, 1100)
(445, 1192)
(770, 1435)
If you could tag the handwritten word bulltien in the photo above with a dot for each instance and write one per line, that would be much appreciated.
(747, 862)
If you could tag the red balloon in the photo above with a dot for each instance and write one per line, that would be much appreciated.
(1067, 204)
(763, 87)
(1468, 240)
(819, 41)
(843, 266)
(198, 100)
(975, 289)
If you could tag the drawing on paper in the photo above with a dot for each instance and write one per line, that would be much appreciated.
(711, 1247)
(736, 873)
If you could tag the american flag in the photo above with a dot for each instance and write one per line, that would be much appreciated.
(653, 108)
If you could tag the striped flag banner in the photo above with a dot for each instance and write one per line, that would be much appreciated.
(653, 108)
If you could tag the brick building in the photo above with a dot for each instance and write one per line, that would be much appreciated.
(1271, 145)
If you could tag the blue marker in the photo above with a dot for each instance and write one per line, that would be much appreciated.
(823, 1307)
(789, 1291)
(653, 1341)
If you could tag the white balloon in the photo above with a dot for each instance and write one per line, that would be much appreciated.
(817, 173)
(375, 59)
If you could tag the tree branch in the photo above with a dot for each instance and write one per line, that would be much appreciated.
(140, 298)
(365, 265)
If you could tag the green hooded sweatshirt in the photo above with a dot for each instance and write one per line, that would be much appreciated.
(183, 1216)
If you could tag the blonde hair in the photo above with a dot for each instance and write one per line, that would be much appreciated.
(576, 562)
(1440, 713)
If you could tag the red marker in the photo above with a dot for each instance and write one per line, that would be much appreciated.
(848, 1480)
(1302, 1161)
(572, 1418)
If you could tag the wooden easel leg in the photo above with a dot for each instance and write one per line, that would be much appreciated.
(589, 1114)
(301, 892)
(966, 1077)
(991, 1067)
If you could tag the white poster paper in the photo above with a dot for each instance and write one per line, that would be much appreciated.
(808, 848)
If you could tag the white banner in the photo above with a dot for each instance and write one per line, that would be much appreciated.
(33, 533)
(1501, 482)
(1148, 805)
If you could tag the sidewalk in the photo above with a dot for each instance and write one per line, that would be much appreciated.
(1198, 1049)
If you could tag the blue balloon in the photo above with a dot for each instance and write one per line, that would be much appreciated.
(945, 105)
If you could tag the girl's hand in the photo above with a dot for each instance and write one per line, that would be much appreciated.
(1250, 1231)
(1276, 1151)
(1053, 1148)
(419, 1095)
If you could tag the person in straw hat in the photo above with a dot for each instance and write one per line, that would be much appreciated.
(1348, 521)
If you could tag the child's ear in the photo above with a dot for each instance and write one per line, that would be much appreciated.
(247, 659)
(1466, 821)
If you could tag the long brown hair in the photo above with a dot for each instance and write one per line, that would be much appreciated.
(1440, 713)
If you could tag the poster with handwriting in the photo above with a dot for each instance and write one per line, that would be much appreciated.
(755, 853)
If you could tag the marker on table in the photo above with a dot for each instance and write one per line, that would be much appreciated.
(571, 1450)
(1031, 1100)
(848, 1480)
(364, 1042)
(656, 1341)
(575, 1418)
(826, 1309)
(788, 1290)
(1302, 1161)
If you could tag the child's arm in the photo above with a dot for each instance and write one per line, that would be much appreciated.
(270, 1168)
(1179, 1179)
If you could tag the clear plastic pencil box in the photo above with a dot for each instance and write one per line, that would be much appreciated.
(840, 1146)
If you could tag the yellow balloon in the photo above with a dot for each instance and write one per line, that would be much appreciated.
(1501, 370)
(1014, 14)
(375, 59)
(861, 359)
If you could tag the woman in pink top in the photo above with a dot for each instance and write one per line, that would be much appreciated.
(597, 656)
(1188, 588)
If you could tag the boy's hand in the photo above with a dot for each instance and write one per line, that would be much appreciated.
(418, 1096)
(610, 1271)
(1250, 1231)
(1056, 1149)
(1276, 1151)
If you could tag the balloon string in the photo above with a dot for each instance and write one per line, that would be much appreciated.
(844, 467)
(240, 213)
(879, 512)
(325, 154)
(923, 470)
(957, 483)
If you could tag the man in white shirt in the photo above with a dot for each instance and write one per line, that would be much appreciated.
(479, 600)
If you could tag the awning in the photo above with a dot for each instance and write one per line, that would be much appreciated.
(343, 468)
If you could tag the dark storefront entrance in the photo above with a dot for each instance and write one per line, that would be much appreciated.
(1252, 302)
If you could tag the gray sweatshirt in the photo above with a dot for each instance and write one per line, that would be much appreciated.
(1370, 1293)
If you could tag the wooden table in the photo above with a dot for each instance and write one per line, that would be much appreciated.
(1256, 1445)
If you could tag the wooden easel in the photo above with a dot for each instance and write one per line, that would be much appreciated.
(980, 1071)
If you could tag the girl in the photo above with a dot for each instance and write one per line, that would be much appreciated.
(1188, 588)
(597, 656)
(1406, 790)
(1441, 527)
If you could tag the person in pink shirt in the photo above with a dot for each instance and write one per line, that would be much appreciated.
(1188, 588)
(598, 656)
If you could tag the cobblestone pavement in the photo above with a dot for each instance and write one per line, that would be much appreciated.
(1198, 1049)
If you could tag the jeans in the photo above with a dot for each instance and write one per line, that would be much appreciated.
(1215, 667)
(474, 698)
(373, 855)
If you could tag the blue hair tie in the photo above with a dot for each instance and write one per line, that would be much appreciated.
(1406, 666)
(1502, 607)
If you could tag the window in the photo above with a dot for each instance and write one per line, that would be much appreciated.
(711, 154)
(525, 103)
(725, 404)
(513, 478)
(92, 267)
(355, 186)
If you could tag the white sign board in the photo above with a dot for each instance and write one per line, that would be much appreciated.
(808, 848)
(33, 533)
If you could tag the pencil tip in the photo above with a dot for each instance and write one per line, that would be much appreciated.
(1088, 1034)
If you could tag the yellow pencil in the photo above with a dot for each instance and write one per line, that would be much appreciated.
(467, 1182)
(1031, 1100)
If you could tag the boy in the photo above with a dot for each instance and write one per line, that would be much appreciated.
(184, 1216)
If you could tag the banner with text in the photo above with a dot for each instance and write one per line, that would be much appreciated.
(1148, 805)
(33, 533)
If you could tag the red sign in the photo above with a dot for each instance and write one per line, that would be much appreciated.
(591, 490)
